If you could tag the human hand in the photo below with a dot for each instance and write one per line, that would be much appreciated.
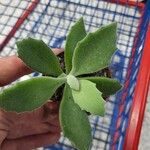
(25, 131)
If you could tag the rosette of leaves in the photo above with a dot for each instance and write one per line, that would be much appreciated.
(84, 54)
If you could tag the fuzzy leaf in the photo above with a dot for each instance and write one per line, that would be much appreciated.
(30, 94)
(73, 82)
(94, 52)
(74, 122)
(76, 34)
(37, 55)
(106, 85)
(89, 98)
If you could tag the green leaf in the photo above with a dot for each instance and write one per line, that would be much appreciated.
(89, 98)
(106, 85)
(30, 94)
(94, 51)
(37, 55)
(74, 122)
(73, 82)
(76, 34)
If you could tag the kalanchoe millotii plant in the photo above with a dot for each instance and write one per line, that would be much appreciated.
(84, 54)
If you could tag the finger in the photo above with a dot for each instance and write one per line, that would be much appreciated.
(30, 142)
(51, 113)
(57, 51)
(13, 68)
(48, 111)
(23, 130)
(4, 126)
(4, 119)
(51, 110)
(3, 135)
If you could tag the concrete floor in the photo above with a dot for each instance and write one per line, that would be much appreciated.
(145, 134)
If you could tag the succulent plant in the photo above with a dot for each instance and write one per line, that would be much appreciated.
(84, 54)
